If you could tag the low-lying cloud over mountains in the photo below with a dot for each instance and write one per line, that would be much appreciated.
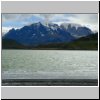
(19, 20)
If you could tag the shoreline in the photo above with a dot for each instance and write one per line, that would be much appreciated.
(49, 82)
(52, 49)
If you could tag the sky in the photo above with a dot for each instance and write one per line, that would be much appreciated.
(17, 21)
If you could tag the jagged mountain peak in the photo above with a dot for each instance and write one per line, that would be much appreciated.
(70, 25)
(41, 33)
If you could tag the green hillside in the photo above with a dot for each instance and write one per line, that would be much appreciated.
(85, 43)
(11, 44)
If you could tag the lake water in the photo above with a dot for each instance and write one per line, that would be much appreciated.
(49, 64)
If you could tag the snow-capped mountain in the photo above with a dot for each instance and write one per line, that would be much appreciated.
(76, 30)
(38, 33)
(67, 25)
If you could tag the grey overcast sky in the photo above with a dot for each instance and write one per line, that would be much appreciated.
(19, 20)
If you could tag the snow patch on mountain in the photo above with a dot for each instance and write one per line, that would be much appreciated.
(67, 25)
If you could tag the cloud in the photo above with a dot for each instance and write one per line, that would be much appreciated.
(6, 17)
(59, 17)
(20, 20)
(47, 17)
(14, 17)
(89, 20)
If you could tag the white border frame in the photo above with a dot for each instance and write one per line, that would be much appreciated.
(4, 88)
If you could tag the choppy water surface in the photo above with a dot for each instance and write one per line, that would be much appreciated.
(49, 64)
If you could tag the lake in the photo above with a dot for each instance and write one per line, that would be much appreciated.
(49, 64)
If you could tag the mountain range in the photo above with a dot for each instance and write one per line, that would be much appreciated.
(43, 34)
(38, 33)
